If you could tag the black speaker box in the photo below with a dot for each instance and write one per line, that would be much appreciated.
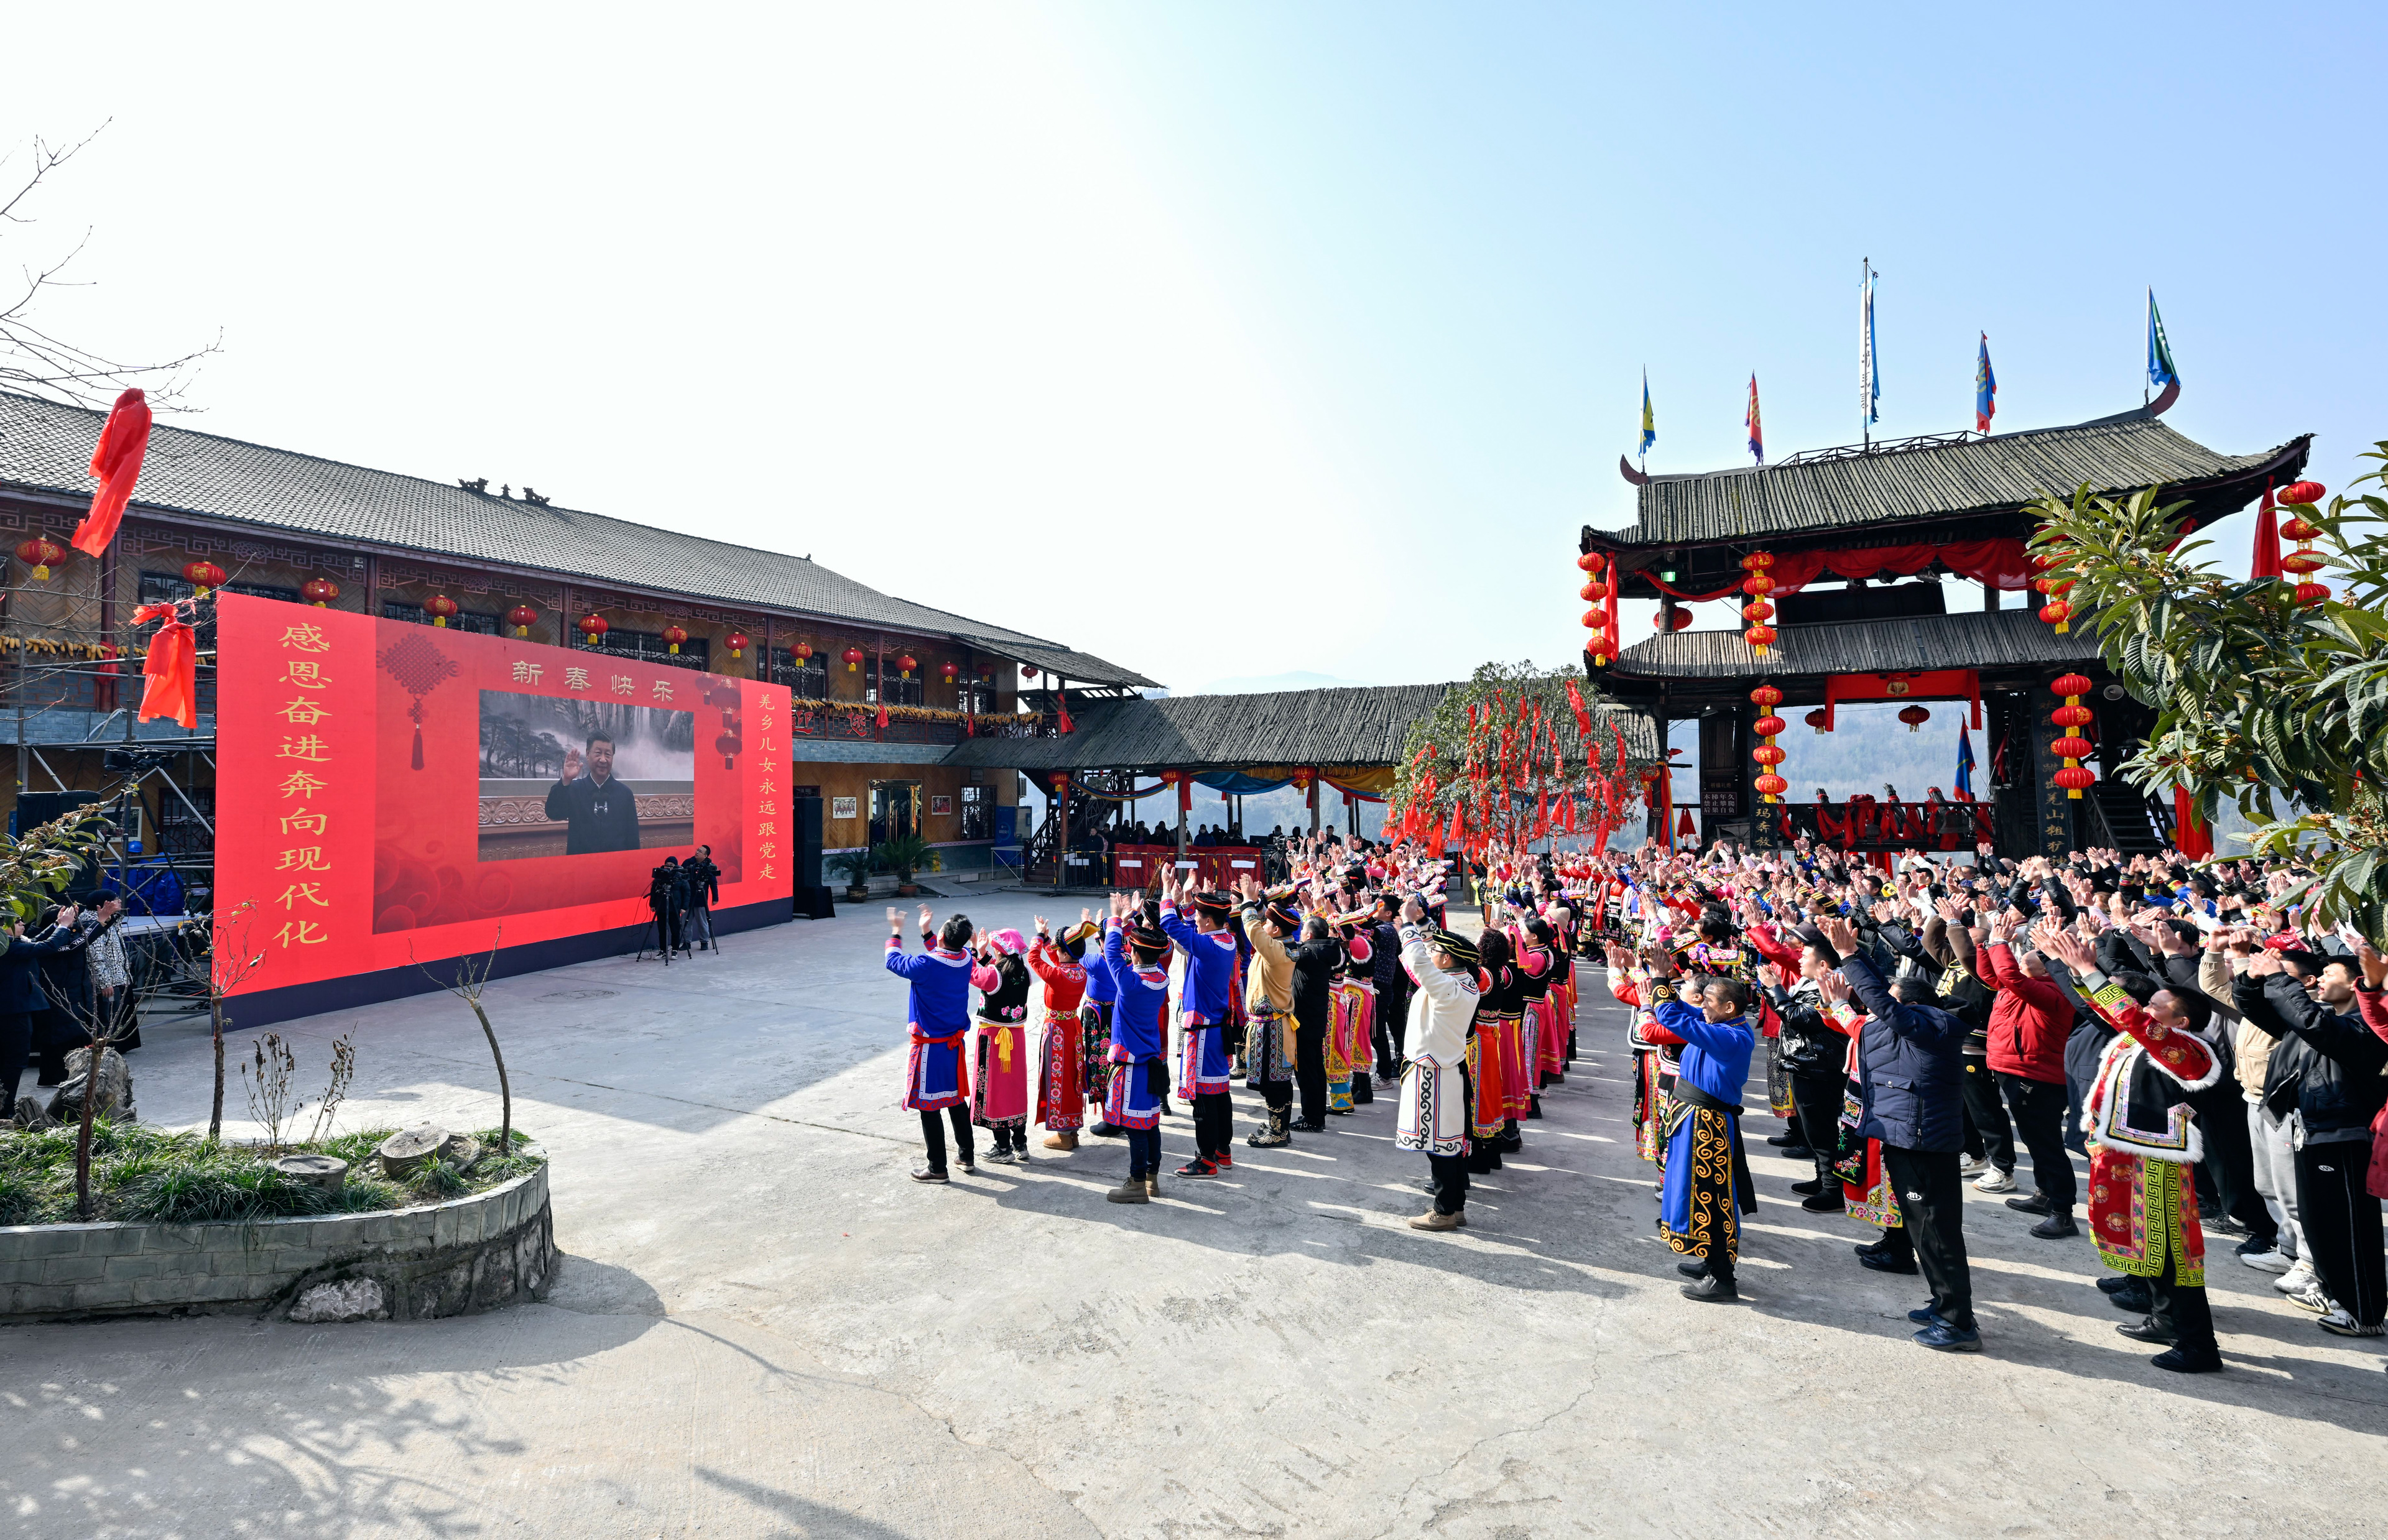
(808, 842)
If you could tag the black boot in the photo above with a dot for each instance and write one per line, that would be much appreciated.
(1715, 1288)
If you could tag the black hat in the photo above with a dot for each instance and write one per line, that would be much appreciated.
(1148, 938)
(1282, 916)
(1214, 904)
(1462, 950)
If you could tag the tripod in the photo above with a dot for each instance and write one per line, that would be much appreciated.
(665, 941)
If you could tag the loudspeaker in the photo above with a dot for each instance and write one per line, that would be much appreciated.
(808, 842)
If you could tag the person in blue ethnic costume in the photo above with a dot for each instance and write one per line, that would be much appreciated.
(1204, 1069)
(1708, 1186)
(1133, 953)
(938, 1011)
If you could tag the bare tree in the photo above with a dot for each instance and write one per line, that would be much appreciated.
(472, 978)
(213, 954)
(32, 359)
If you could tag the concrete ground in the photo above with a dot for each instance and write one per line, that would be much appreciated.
(762, 1328)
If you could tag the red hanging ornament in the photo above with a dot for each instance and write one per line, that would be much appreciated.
(950, 671)
(802, 653)
(2072, 747)
(853, 660)
(905, 665)
(1914, 717)
(673, 636)
(1820, 719)
(202, 575)
(440, 607)
(522, 617)
(594, 628)
(737, 642)
(319, 591)
(41, 553)
(2304, 492)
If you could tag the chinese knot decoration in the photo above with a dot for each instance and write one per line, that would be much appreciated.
(2072, 747)
(1759, 610)
(2303, 562)
(201, 575)
(522, 617)
(319, 591)
(440, 607)
(2056, 611)
(39, 554)
(1769, 786)
(594, 629)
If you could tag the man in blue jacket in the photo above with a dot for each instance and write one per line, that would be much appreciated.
(1911, 1077)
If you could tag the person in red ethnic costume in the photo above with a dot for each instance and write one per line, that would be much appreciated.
(1062, 1082)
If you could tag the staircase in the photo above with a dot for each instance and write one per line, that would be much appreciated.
(2136, 826)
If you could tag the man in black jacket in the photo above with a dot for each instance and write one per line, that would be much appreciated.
(2328, 1066)
(599, 812)
(1393, 989)
(1316, 957)
(21, 998)
(1911, 1072)
(1813, 1054)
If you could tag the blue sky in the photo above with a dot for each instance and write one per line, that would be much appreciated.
(1219, 339)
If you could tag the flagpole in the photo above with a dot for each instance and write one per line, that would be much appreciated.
(1865, 351)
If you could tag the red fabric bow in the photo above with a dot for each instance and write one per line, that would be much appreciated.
(115, 461)
(173, 668)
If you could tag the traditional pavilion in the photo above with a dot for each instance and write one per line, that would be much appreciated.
(1352, 739)
(1862, 545)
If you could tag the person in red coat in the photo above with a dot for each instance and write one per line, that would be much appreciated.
(2030, 1020)
(1061, 1086)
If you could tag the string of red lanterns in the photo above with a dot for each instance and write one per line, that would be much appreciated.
(1599, 590)
(2303, 562)
(1759, 610)
(2072, 747)
(1768, 785)
(2056, 611)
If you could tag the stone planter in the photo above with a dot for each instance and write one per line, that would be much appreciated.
(451, 1258)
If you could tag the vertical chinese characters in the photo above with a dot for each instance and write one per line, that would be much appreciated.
(305, 655)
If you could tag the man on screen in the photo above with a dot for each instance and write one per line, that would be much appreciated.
(603, 812)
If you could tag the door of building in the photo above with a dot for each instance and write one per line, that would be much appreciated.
(895, 810)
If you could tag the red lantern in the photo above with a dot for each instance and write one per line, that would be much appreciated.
(2057, 612)
(1760, 639)
(2071, 684)
(1757, 561)
(201, 575)
(803, 653)
(2298, 529)
(319, 591)
(1768, 697)
(1768, 755)
(1595, 618)
(727, 745)
(673, 636)
(906, 664)
(1758, 585)
(1758, 612)
(2070, 716)
(1820, 719)
(2075, 778)
(2301, 563)
(1059, 780)
(853, 659)
(522, 617)
(1768, 726)
(1301, 777)
(1603, 647)
(39, 554)
(440, 607)
(2070, 748)
(1771, 786)
(737, 643)
(1914, 717)
(950, 671)
(2305, 492)
(1593, 593)
(1680, 617)
(594, 629)
(1589, 561)
(2311, 594)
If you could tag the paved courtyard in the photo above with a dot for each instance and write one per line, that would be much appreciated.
(762, 1328)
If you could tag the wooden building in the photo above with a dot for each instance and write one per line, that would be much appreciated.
(1879, 534)
(296, 527)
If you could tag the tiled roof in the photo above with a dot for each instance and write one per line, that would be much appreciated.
(1356, 727)
(1935, 481)
(1987, 640)
(47, 447)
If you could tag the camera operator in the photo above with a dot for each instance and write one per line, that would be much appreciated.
(702, 880)
(667, 899)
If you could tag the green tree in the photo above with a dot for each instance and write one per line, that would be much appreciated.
(2276, 705)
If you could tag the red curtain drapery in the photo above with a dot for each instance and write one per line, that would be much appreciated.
(2002, 563)
(1939, 684)
(2196, 842)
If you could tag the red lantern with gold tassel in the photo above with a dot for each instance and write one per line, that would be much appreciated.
(673, 636)
(737, 642)
(1768, 727)
(2056, 611)
(2072, 747)
(440, 607)
(1758, 585)
(594, 628)
(41, 553)
(1820, 719)
(201, 575)
(319, 591)
(1914, 717)
(522, 617)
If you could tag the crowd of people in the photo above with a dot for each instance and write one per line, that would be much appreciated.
(64, 981)
(2221, 1064)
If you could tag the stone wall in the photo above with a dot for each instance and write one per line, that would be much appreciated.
(450, 1258)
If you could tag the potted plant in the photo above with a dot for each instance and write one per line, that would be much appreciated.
(856, 865)
(904, 856)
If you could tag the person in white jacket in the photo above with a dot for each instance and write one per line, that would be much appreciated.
(1433, 1115)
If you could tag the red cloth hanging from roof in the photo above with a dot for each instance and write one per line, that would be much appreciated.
(2002, 563)
(115, 461)
(2265, 562)
(171, 669)
(2194, 840)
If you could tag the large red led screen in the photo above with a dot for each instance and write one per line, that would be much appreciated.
(390, 793)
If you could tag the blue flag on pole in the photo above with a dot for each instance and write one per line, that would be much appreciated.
(1986, 389)
(2160, 369)
(1964, 761)
(1649, 422)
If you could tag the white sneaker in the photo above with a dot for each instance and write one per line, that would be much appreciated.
(2298, 1279)
(1973, 1167)
(2311, 1297)
(2266, 1261)
(2336, 1319)
(1995, 1181)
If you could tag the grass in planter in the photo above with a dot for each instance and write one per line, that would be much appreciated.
(144, 1173)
